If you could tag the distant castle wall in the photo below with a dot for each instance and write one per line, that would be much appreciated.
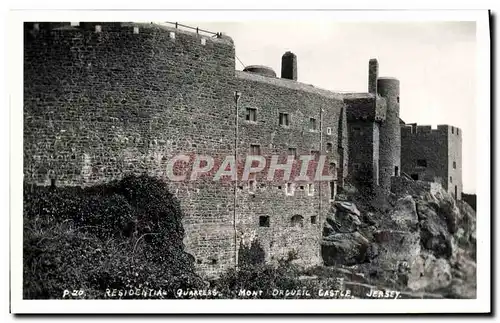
(433, 155)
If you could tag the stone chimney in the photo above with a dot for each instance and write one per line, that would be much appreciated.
(289, 66)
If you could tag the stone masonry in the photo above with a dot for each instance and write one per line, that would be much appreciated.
(102, 100)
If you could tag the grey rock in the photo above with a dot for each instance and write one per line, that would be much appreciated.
(344, 249)
(404, 215)
(347, 207)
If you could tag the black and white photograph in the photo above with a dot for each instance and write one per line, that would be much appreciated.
(190, 158)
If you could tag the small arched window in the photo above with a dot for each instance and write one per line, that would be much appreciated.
(297, 220)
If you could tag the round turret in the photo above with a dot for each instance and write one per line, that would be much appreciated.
(390, 132)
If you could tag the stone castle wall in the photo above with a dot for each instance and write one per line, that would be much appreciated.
(429, 154)
(102, 102)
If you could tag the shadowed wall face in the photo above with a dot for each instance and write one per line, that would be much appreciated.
(289, 66)
(101, 102)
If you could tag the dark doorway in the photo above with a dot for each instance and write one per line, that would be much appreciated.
(456, 192)
(396, 171)
(414, 176)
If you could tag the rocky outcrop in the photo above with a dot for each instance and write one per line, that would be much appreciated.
(423, 243)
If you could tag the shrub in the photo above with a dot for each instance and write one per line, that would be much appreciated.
(125, 234)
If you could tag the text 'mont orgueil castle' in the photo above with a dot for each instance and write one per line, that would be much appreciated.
(102, 100)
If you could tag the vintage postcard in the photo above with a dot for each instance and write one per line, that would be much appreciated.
(258, 162)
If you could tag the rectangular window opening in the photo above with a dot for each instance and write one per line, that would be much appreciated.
(314, 219)
(421, 162)
(251, 114)
(292, 151)
(310, 189)
(284, 119)
(255, 150)
(312, 124)
(333, 190)
(290, 189)
(264, 221)
(252, 186)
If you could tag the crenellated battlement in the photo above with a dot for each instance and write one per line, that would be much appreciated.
(173, 31)
(413, 129)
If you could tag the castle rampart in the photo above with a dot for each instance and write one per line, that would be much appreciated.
(105, 100)
(433, 154)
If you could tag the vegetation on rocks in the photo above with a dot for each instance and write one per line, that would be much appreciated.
(125, 234)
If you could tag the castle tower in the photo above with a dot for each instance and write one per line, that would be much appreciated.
(390, 132)
(289, 66)
(372, 75)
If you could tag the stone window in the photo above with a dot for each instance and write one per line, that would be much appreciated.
(414, 177)
(333, 168)
(397, 99)
(396, 171)
(458, 131)
(252, 186)
(292, 151)
(310, 189)
(451, 179)
(452, 129)
(329, 131)
(289, 189)
(255, 150)
(284, 119)
(264, 221)
(313, 124)
(421, 162)
(357, 131)
(297, 220)
(454, 165)
(251, 114)
(329, 147)
(315, 154)
(314, 219)
(333, 190)
(213, 261)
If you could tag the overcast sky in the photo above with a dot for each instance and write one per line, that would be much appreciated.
(434, 61)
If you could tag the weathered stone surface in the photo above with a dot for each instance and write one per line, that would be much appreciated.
(101, 105)
(341, 222)
(404, 215)
(429, 273)
(396, 247)
(347, 207)
(344, 248)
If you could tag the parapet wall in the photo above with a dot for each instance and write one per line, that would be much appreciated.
(426, 130)
(125, 100)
